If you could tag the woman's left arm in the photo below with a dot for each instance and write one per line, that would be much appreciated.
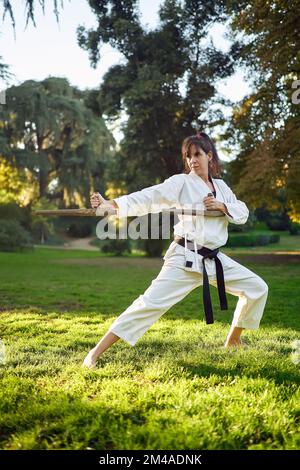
(236, 212)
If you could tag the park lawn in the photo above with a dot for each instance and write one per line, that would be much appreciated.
(177, 388)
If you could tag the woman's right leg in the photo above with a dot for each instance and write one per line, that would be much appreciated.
(106, 341)
(171, 285)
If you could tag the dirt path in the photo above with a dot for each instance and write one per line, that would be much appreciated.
(81, 244)
(71, 244)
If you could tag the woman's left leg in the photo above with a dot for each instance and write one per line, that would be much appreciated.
(252, 291)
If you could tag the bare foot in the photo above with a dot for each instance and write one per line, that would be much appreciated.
(233, 342)
(90, 360)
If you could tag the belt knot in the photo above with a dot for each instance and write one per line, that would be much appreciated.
(211, 254)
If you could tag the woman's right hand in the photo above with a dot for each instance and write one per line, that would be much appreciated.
(96, 200)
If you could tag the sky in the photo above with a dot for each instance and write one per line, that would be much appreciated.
(51, 48)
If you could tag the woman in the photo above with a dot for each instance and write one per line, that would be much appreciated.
(193, 259)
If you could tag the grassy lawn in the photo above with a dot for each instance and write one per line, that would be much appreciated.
(178, 388)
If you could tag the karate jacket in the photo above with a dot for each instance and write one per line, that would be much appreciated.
(187, 191)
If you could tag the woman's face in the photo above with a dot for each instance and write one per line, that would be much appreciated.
(197, 160)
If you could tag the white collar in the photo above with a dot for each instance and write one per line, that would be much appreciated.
(199, 177)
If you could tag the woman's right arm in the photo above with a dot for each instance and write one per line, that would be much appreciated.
(149, 200)
(153, 199)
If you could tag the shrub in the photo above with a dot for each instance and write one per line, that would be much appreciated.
(252, 240)
(294, 228)
(80, 228)
(41, 229)
(12, 211)
(277, 222)
(241, 240)
(42, 226)
(153, 248)
(13, 237)
(261, 240)
(274, 238)
(116, 247)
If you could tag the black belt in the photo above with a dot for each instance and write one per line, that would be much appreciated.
(211, 254)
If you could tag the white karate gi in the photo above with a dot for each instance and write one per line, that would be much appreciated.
(175, 280)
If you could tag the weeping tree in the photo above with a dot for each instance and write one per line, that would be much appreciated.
(50, 129)
(30, 7)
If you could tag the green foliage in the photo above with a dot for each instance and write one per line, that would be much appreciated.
(252, 240)
(116, 246)
(294, 228)
(13, 237)
(78, 227)
(265, 125)
(153, 248)
(147, 84)
(274, 238)
(42, 227)
(278, 222)
(49, 129)
(12, 210)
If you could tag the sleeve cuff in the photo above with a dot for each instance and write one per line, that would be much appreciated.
(228, 216)
(235, 216)
(122, 209)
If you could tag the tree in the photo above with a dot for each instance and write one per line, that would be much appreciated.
(148, 84)
(30, 6)
(49, 129)
(266, 123)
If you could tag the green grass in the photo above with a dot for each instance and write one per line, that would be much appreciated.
(178, 388)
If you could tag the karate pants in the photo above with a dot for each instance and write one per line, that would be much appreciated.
(175, 281)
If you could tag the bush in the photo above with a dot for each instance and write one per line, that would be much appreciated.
(278, 222)
(252, 240)
(241, 240)
(116, 247)
(153, 248)
(261, 240)
(274, 238)
(80, 229)
(13, 237)
(12, 211)
(294, 228)
(74, 226)
(260, 226)
(41, 229)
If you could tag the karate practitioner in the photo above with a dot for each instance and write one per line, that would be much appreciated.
(193, 259)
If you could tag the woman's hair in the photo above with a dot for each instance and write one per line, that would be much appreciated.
(203, 141)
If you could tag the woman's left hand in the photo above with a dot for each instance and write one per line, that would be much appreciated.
(211, 204)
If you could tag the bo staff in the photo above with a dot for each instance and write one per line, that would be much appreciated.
(103, 212)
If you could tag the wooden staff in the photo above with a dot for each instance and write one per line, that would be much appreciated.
(100, 213)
